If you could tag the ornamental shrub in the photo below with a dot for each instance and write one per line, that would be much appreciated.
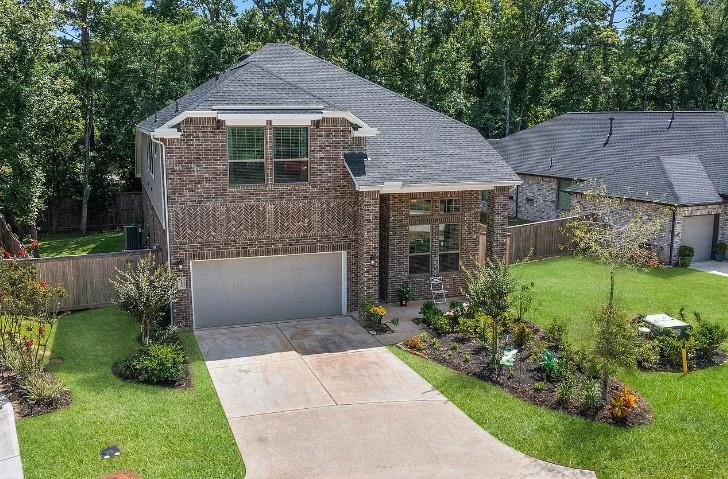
(706, 338)
(686, 251)
(42, 387)
(153, 364)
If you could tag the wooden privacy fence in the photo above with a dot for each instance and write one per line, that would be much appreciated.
(85, 277)
(532, 240)
(538, 240)
(64, 215)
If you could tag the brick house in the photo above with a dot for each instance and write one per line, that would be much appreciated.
(286, 187)
(673, 165)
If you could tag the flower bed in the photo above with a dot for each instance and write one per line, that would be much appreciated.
(545, 371)
(11, 386)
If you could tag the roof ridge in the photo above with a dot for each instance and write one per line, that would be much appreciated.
(373, 83)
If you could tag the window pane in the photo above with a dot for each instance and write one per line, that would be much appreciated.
(449, 237)
(419, 239)
(420, 207)
(564, 198)
(247, 172)
(450, 205)
(419, 264)
(245, 144)
(449, 262)
(290, 171)
(290, 143)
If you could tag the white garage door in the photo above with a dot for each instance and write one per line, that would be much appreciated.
(267, 288)
(697, 231)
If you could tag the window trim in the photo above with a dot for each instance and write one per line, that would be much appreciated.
(428, 253)
(428, 212)
(455, 201)
(229, 160)
(440, 251)
(307, 159)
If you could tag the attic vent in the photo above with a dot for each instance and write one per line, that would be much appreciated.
(611, 129)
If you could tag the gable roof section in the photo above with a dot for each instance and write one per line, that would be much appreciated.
(648, 157)
(414, 145)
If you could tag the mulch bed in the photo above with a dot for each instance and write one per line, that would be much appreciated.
(468, 356)
(717, 359)
(10, 388)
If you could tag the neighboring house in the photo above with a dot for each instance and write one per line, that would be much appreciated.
(674, 165)
(287, 187)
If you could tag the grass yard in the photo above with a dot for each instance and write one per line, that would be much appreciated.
(687, 438)
(74, 244)
(162, 433)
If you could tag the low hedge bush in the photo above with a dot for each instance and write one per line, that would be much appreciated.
(158, 363)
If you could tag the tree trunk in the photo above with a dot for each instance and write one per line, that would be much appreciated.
(494, 342)
(611, 288)
(88, 103)
(507, 101)
(605, 384)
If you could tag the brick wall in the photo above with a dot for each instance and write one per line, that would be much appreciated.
(497, 228)
(394, 252)
(664, 214)
(154, 233)
(536, 198)
(209, 219)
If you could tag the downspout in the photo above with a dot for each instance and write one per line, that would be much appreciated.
(163, 161)
(672, 235)
(518, 190)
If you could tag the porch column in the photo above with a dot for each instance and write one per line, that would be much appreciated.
(497, 222)
(367, 242)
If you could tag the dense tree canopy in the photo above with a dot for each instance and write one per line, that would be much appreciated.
(499, 65)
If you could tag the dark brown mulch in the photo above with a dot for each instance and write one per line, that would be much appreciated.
(9, 387)
(123, 475)
(468, 356)
(718, 358)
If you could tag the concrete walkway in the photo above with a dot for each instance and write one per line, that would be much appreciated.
(10, 465)
(715, 267)
(323, 399)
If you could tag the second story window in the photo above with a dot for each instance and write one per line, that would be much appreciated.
(420, 207)
(246, 156)
(290, 154)
(450, 205)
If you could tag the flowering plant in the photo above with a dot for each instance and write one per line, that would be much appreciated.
(378, 310)
(622, 403)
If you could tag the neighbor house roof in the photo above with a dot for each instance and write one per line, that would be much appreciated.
(649, 156)
(411, 143)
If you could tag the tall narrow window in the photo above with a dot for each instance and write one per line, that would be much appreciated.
(420, 207)
(290, 154)
(246, 156)
(449, 243)
(564, 197)
(419, 249)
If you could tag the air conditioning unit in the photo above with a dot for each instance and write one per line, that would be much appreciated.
(132, 237)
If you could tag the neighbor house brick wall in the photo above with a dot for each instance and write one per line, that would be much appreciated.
(366, 265)
(664, 214)
(395, 252)
(209, 219)
(535, 197)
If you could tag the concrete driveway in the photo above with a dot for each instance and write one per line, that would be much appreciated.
(323, 399)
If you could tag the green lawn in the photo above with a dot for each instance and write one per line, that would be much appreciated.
(162, 433)
(73, 244)
(687, 438)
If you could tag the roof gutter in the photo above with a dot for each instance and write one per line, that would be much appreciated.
(399, 187)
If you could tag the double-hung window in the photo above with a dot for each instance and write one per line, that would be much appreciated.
(290, 154)
(449, 243)
(246, 155)
(419, 249)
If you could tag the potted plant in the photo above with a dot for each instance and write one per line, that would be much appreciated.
(404, 294)
(685, 255)
(719, 250)
(376, 315)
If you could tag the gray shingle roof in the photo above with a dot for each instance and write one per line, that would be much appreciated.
(648, 156)
(414, 144)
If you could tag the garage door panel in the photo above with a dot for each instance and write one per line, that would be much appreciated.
(697, 231)
(262, 289)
